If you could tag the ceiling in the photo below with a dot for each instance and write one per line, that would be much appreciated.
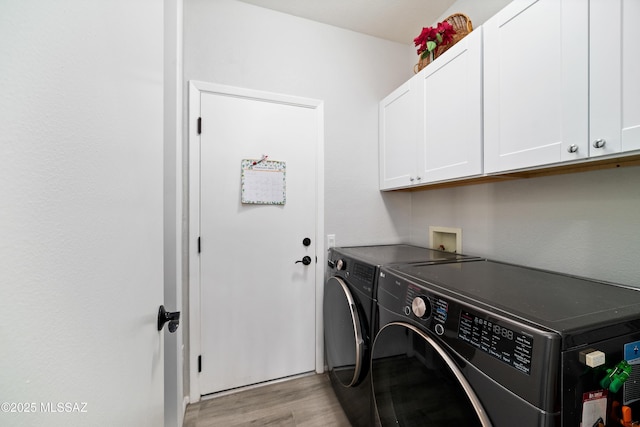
(396, 20)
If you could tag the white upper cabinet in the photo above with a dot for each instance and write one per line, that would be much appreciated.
(398, 122)
(536, 84)
(615, 76)
(450, 96)
(431, 127)
(541, 84)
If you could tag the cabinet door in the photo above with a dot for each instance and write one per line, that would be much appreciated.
(536, 84)
(614, 85)
(450, 92)
(397, 137)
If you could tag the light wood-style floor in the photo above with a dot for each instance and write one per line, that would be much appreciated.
(305, 401)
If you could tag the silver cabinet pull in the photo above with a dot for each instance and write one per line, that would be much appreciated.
(573, 148)
(599, 143)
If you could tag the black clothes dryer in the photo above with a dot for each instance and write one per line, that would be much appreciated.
(350, 319)
(492, 344)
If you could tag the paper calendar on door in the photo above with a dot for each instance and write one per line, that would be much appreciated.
(263, 182)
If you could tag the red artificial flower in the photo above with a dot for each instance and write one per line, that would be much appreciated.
(446, 31)
(430, 37)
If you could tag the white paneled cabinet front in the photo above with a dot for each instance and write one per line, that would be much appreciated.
(536, 84)
(450, 96)
(431, 126)
(398, 121)
(614, 89)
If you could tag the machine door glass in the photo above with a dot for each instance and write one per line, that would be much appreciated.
(416, 383)
(345, 333)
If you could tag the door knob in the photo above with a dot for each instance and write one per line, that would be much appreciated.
(306, 260)
(165, 316)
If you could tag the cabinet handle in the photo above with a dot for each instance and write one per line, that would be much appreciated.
(573, 148)
(419, 178)
(411, 179)
(599, 143)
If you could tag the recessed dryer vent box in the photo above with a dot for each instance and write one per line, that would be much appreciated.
(445, 238)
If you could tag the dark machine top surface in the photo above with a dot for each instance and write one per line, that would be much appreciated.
(394, 254)
(558, 302)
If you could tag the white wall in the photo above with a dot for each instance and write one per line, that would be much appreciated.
(238, 44)
(477, 11)
(586, 224)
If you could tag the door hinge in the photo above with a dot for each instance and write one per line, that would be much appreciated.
(198, 245)
(199, 125)
(200, 363)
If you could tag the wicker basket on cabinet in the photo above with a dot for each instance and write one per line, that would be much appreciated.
(462, 25)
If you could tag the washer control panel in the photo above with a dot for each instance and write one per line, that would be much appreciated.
(511, 347)
(430, 310)
(513, 352)
(466, 328)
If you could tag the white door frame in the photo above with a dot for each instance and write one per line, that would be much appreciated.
(196, 88)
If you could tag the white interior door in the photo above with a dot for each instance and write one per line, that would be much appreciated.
(81, 194)
(257, 304)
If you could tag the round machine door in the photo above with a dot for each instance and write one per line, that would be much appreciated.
(345, 333)
(416, 383)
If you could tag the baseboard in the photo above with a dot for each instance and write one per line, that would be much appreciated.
(253, 386)
(185, 402)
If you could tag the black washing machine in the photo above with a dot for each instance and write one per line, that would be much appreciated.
(492, 344)
(349, 317)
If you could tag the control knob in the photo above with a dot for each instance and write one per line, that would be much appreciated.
(421, 307)
(340, 264)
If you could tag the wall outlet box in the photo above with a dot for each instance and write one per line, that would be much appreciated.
(445, 239)
(331, 241)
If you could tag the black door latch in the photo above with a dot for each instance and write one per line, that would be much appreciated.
(165, 316)
(306, 260)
